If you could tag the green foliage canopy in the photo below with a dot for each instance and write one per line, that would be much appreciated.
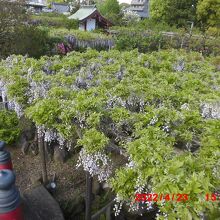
(12, 17)
(208, 12)
(174, 12)
(110, 9)
(9, 126)
(151, 106)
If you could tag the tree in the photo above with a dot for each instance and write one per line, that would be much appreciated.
(33, 41)
(159, 110)
(124, 5)
(130, 17)
(110, 9)
(12, 16)
(208, 13)
(174, 12)
(9, 126)
(74, 5)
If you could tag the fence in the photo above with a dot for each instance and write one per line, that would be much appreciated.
(95, 43)
(106, 211)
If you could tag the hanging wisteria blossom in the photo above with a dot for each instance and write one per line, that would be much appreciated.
(211, 110)
(50, 135)
(96, 164)
(161, 108)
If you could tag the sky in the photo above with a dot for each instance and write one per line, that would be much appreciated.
(126, 1)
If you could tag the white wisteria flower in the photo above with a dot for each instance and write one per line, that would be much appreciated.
(118, 205)
(185, 106)
(130, 16)
(211, 110)
(50, 135)
(96, 164)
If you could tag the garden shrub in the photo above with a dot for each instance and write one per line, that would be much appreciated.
(9, 126)
(32, 41)
(35, 42)
(29, 40)
(147, 41)
(54, 19)
(160, 110)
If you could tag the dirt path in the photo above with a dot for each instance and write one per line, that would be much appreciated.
(28, 171)
(70, 181)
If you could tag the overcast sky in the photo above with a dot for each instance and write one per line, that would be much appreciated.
(126, 1)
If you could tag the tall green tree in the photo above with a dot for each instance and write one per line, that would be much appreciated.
(12, 16)
(174, 12)
(208, 13)
(110, 9)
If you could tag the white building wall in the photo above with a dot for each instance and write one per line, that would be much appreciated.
(90, 25)
(43, 1)
(81, 26)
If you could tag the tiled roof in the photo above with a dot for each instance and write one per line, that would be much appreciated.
(137, 2)
(83, 12)
(36, 2)
(62, 4)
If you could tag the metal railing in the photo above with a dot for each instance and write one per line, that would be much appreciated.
(104, 211)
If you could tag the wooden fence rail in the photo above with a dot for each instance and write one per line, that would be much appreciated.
(105, 210)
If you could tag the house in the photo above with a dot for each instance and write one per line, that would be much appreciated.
(60, 7)
(36, 5)
(141, 7)
(90, 18)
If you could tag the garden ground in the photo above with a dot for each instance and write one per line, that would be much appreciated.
(70, 181)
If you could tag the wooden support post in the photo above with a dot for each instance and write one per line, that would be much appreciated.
(5, 103)
(181, 45)
(108, 213)
(43, 159)
(88, 196)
